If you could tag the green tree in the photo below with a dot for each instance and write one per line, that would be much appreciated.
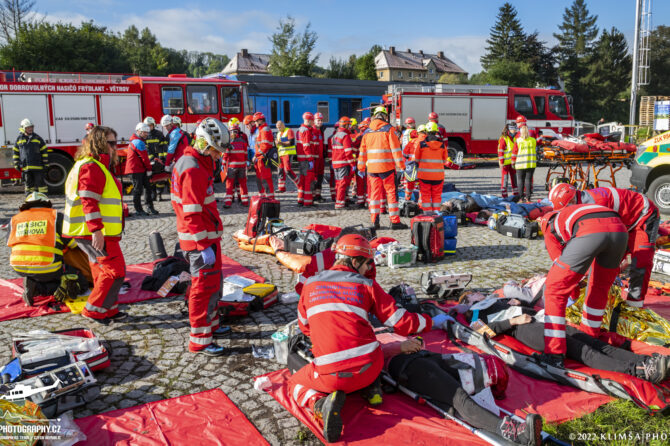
(541, 59)
(291, 52)
(365, 65)
(659, 62)
(14, 14)
(507, 72)
(201, 64)
(453, 78)
(609, 78)
(341, 68)
(507, 39)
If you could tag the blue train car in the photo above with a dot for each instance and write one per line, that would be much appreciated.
(287, 98)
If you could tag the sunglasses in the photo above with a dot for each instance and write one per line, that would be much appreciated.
(112, 143)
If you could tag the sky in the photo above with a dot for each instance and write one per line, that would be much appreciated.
(459, 28)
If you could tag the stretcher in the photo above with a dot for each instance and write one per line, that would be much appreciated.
(655, 398)
(586, 162)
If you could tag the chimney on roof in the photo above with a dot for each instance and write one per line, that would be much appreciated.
(245, 53)
(392, 50)
(409, 50)
(421, 52)
(440, 54)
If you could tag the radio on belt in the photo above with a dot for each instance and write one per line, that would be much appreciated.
(444, 284)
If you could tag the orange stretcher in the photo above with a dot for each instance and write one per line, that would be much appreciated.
(587, 162)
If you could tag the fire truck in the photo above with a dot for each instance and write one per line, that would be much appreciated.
(60, 105)
(474, 115)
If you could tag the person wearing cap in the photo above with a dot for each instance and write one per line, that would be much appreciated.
(637, 213)
(340, 300)
(30, 157)
(263, 143)
(524, 159)
(381, 157)
(49, 262)
(199, 230)
(508, 174)
(306, 145)
(138, 166)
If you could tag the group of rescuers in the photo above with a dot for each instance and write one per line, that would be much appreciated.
(590, 230)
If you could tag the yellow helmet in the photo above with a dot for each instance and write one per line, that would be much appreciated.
(36, 196)
(380, 109)
(233, 121)
(432, 127)
(353, 122)
(421, 128)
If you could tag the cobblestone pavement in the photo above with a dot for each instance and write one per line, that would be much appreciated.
(148, 357)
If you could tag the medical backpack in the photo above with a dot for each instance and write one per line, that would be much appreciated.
(517, 226)
(410, 209)
(428, 237)
(307, 243)
(261, 209)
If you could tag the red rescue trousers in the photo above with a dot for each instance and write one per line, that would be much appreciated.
(236, 176)
(305, 180)
(382, 188)
(361, 188)
(431, 195)
(342, 182)
(307, 386)
(508, 174)
(264, 180)
(203, 298)
(602, 253)
(108, 268)
(641, 245)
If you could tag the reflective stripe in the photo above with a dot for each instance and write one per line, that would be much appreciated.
(320, 266)
(377, 151)
(390, 161)
(310, 393)
(77, 202)
(31, 269)
(393, 213)
(89, 194)
(302, 320)
(635, 303)
(643, 214)
(296, 391)
(337, 306)
(554, 319)
(344, 355)
(192, 208)
(175, 198)
(615, 198)
(202, 235)
(201, 330)
(209, 199)
(592, 324)
(200, 341)
(92, 216)
(428, 160)
(554, 333)
(95, 309)
(593, 311)
(422, 323)
(420, 169)
(373, 202)
(105, 219)
(580, 212)
(395, 317)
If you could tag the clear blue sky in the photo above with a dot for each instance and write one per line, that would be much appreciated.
(459, 28)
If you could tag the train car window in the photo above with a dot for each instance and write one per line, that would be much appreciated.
(273, 111)
(287, 112)
(231, 100)
(202, 99)
(323, 108)
(173, 100)
(557, 106)
(523, 105)
(539, 105)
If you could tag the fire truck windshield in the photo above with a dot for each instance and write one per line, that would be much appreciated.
(558, 106)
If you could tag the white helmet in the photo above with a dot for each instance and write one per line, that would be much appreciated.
(214, 132)
(142, 127)
(26, 123)
(149, 121)
(176, 120)
(166, 120)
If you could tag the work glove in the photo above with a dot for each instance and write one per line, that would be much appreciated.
(168, 169)
(440, 320)
(208, 256)
(361, 174)
(149, 173)
(311, 164)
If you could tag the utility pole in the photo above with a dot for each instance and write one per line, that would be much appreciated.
(641, 48)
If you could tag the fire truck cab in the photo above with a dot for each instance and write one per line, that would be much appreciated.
(60, 105)
(474, 115)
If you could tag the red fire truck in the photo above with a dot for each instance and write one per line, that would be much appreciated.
(474, 115)
(60, 105)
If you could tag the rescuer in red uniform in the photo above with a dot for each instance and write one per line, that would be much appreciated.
(235, 165)
(199, 231)
(640, 217)
(578, 238)
(263, 143)
(432, 117)
(305, 147)
(338, 301)
(344, 164)
(138, 166)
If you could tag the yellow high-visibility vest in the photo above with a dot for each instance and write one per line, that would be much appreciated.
(285, 150)
(110, 204)
(526, 158)
(507, 154)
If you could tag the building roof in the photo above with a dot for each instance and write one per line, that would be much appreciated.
(415, 61)
(246, 62)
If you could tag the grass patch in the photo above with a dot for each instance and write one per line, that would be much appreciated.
(617, 423)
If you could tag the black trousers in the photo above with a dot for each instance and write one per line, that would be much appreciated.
(582, 347)
(524, 181)
(141, 184)
(427, 374)
(34, 180)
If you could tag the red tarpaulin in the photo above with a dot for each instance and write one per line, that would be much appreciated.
(205, 418)
(13, 307)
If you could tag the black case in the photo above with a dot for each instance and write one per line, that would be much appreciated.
(517, 226)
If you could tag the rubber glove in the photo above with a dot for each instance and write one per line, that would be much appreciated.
(441, 319)
(208, 256)
(311, 164)
(361, 174)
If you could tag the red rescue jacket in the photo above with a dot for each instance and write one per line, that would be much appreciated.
(236, 156)
(633, 208)
(137, 156)
(342, 149)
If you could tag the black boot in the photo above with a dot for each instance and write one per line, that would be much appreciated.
(654, 368)
(152, 211)
(373, 393)
(527, 433)
(376, 223)
(329, 409)
(399, 225)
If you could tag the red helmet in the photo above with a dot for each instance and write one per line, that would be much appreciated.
(258, 116)
(248, 119)
(89, 125)
(318, 116)
(521, 121)
(344, 120)
(307, 116)
(432, 116)
(354, 245)
(366, 121)
(410, 120)
(561, 195)
(545, 220)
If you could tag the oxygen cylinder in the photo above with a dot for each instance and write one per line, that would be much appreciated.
(157, 246)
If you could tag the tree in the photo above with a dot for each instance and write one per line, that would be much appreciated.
(453, 78)
(291, 52)
(201, 64)
(541, 59)
(609, 78)
(13, 15)
(365, 65)
(659, 62)
(342, 69)
(507, 38)
(506, 72)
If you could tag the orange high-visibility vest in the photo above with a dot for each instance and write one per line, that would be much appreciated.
(34, 242)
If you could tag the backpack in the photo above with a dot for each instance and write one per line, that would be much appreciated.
(410, 209)
(261, 210)
(306, 243)
(517, 226)
(428, 237)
